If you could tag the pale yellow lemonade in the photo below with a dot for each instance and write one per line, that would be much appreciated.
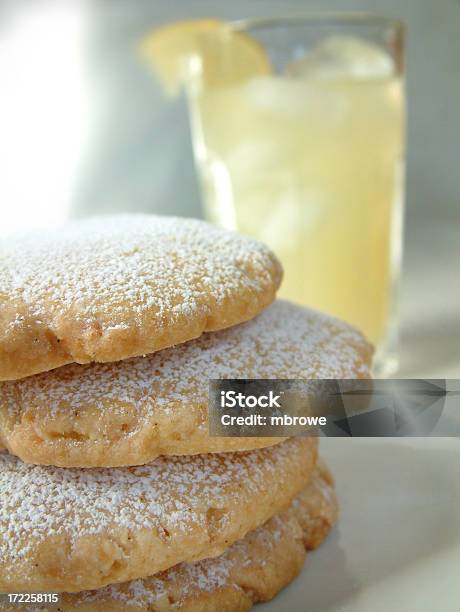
(304, 153)
(311, 164)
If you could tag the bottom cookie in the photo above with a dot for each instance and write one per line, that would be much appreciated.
(253, 569)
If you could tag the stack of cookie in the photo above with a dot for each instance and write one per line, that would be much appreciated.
(112, 493)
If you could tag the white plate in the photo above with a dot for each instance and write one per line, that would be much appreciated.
(396, 547)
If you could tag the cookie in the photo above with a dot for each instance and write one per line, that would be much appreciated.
(109, 288)
(251, 570)
(130, 412)
(70, 530)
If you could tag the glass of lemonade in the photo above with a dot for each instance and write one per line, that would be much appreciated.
(299, 142)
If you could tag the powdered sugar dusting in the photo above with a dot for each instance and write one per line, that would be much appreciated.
(285, 341)
(206, 575)
(250, 554)
(168, 495)
(108, 273)
(203, 576)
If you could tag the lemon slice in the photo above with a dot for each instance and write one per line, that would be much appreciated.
(207, 47)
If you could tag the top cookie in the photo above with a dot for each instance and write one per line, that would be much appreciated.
(110, 288)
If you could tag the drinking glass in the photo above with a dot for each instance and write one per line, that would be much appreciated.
(298, 130)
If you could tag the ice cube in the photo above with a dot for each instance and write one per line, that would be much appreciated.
(343, 57)
(277, 94)
(292, 216)
(295, 99)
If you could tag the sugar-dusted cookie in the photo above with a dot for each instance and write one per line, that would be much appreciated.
(110, 288)
(71, 529)
(251, 570)
(128, 413)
